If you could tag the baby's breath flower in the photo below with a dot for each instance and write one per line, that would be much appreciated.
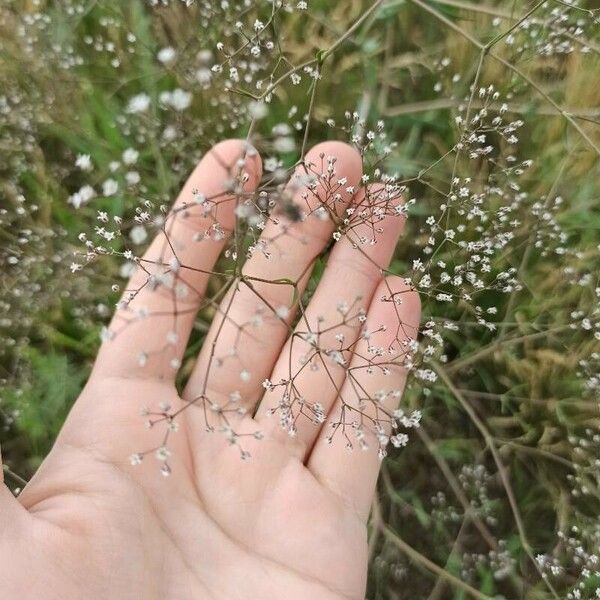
(138, 104)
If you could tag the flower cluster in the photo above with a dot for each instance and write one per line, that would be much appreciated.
(477, 127)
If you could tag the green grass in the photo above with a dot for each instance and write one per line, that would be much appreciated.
(522, 383)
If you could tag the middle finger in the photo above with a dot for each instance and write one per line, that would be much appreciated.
(252, 323)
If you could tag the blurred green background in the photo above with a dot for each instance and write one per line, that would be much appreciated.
(507, 461)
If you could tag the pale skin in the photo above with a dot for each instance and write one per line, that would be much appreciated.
(290, 522)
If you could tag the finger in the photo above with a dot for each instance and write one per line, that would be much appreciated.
(307, 377)
(149, 331)
(247, 334)
(345, 457)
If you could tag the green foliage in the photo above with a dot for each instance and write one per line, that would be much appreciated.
(522, 379)
(40, 404)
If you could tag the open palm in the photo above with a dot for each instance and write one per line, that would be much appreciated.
(290, 520)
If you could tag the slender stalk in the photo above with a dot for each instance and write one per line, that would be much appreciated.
(491, 444)
(311, 108)
(455, 486)
(14, 476)
(440, 584)
(461, 363)
(326, 53)
(486, 48)
(423, 561)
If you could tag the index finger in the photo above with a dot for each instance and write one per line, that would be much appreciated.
(149, 332)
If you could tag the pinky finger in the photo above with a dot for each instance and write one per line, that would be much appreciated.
(345, 458)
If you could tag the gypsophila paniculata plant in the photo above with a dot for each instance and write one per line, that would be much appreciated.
(478, 129)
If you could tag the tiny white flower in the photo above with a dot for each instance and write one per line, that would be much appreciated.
(167, 55)
(399, 440)
(136, 459)
(178, 99)
(82, 197)
(257, 110)
(130, 156)
(162, 453)
(84, 162)
(132, 177)
(138, 234)
(282, 312)
(110, 187)
(284, 144)
(138, 104)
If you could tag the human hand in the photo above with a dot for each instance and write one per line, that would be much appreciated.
(288, 522)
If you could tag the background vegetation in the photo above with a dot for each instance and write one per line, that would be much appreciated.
(497, 495)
